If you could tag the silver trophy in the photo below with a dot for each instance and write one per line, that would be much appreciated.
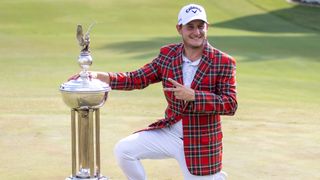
(85, 96)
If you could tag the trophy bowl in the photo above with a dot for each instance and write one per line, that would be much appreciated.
(79, 94)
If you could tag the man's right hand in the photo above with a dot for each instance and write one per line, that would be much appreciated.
(102, 76)
(74, 77)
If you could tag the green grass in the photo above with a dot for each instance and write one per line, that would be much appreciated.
(274, 134)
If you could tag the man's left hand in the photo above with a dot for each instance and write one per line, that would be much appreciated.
(180, 91)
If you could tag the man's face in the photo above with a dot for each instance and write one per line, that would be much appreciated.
(194, 33)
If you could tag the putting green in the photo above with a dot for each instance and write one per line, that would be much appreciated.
(274, 134)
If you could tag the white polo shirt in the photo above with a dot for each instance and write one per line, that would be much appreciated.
(189, 70)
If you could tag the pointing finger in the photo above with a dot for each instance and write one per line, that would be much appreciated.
(175, 83)
(169, 89)
(74, 77)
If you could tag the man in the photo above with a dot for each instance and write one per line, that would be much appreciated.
(199, 85)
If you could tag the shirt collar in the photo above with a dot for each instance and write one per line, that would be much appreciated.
(191, 63)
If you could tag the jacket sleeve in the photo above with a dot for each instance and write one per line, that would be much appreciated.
(223, 101)
(138, 79)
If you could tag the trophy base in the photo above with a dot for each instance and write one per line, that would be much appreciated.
(95, 178)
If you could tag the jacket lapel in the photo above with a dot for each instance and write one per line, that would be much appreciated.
(177, 65)
(203, 67)
(177, 70)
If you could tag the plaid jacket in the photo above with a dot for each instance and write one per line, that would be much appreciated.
(215, 95)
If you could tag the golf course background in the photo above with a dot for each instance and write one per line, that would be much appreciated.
(274, 134)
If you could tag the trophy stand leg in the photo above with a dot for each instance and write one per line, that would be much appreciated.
(73, 143)
(97, 145)
(91, 145)
(85, 145)
(98, 141)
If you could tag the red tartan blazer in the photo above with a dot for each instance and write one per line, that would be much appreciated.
(215, 94)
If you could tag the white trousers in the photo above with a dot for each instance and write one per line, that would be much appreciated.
(155, 144)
